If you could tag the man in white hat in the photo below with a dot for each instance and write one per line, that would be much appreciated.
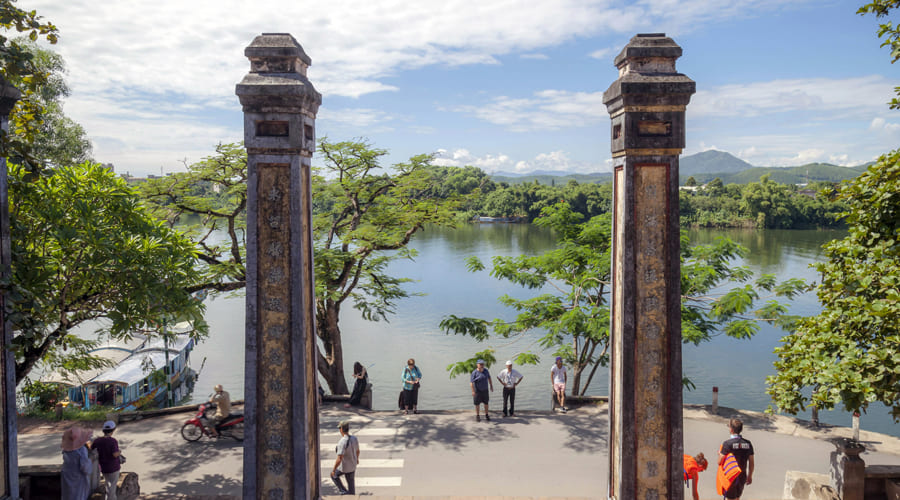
(108, 455)
(480, 380)
(510, 379)
(223, 407)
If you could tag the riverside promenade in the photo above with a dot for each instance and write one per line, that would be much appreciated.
(447, 453)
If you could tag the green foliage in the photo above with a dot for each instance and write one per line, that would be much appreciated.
(887, 31)
(573, 313)
(850, 352)
(19, 68)
(42, 396)
(468, 366)
(83, 249)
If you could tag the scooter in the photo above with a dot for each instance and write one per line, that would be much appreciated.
(199, 426)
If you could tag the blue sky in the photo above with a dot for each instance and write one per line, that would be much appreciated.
(508, 85)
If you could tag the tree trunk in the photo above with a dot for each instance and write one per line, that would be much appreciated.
(330, 333)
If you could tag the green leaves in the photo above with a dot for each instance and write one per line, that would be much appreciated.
(83, 248)
(468, 366)
(850, 352)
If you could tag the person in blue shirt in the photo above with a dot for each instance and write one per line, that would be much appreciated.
(411, 377)
(480, 381)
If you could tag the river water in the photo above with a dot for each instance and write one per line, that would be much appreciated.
(737, 367)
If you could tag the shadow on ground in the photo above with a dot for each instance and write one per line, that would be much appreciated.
(209, 485)
(170, 461)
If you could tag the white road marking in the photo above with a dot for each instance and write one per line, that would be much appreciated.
(372, 463)
(370, 482)
(361, 432)
(329, 447)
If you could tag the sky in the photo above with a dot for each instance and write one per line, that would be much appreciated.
(505, 85)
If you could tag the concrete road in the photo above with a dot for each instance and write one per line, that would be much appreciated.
(535, 454)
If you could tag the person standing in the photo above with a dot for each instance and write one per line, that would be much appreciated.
(742, 451)
(359, 388)
(693, 466)
(480, 380)
(108, 455)
(411, 377)
(558, 379)
(346, 461)
(75, 475)
(510, 379)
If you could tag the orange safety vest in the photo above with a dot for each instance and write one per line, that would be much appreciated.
(691, 469)
(727, 473)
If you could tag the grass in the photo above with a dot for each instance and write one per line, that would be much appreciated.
(92, 415)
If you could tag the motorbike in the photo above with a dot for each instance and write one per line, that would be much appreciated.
(200, 425)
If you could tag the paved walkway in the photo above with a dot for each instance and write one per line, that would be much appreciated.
(535, 454)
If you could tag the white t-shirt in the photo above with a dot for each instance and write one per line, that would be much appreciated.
(347, 448)
(559, 374)
(510, 377)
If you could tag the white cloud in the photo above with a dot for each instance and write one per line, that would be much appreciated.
(858, 96)
(535, 55)
(602, 53)
(880, 124)
(556, 161)
(544, 110)
(358, 118)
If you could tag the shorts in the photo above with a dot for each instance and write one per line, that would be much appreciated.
(481, 397)
(737, 487)
(557, 387)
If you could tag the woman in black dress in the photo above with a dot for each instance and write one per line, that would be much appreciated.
(362, 381)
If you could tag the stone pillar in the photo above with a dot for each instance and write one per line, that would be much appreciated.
(646, 104)
(9, 483)
(281, 450)
(848, 471)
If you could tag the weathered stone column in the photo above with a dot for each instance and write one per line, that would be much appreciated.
(848, 470)
(646, 105)
(9, 484)
(281, 449)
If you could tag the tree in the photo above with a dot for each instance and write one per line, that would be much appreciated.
(57, 139)
(364, 218)
(691, 182)
(574, 313)
(18, 67)
(850, 352)
(84, 249)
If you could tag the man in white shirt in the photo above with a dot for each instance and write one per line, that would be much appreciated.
(510, 379)
(558, 378)
(347, 459)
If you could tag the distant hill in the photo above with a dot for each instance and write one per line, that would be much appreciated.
(704, 167)
(712, 162)
(557, 178)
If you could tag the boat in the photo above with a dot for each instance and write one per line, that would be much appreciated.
(137, 379)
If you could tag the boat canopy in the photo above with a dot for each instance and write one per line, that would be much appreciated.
(132, 369)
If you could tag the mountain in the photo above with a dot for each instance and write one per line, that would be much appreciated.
(712, 162)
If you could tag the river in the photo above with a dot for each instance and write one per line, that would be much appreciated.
(737, 367)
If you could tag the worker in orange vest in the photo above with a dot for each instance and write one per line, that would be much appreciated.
(693, 466)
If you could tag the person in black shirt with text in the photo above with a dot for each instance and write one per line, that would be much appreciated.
(742, 450)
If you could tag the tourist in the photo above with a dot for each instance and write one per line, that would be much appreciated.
(742, 451)
(558, 379)
(359, 388)
(693, 466)
(411, 377)
(510, 379)
(347, 459)
(108, 455)
(480, 381)
(222, 401)
(75, 475)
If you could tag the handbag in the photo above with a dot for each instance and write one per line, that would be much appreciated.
(400, 401)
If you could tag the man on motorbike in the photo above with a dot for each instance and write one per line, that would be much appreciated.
(222, 401)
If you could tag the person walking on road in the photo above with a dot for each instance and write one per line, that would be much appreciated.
(510, 379)
(108, 455)
(411, 377)
(742, 451)
(558, 379)
(693, 466)
(75, 475)
(480, 381)
(346, 461)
